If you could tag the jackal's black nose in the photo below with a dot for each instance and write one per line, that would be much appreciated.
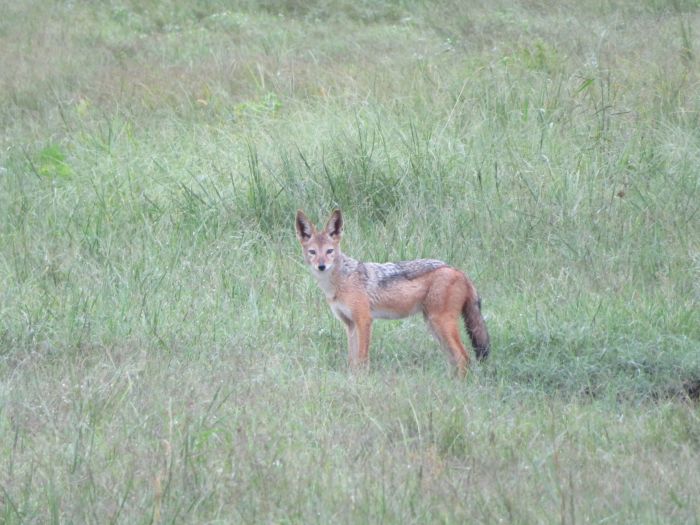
(321, 267)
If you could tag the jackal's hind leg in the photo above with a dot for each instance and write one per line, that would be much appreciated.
(446, 330)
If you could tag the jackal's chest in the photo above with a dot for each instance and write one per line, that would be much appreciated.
(330, 289)
(341, 310)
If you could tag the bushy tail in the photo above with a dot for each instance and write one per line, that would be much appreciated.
(476, 328)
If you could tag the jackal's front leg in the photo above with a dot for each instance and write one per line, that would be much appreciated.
(352, 342)
(363, 327)
(359, 334)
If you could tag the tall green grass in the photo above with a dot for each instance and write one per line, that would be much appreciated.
(166, 358)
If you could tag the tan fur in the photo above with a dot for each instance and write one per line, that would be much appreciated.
(360, 292)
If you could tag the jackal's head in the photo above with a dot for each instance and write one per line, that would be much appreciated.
(321, 248)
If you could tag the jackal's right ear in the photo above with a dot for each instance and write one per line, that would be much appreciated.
(334, 227)
(304, 227)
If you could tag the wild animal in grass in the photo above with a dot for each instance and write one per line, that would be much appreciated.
(359, 292)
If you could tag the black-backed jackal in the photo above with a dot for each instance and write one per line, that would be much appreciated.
(359, 292)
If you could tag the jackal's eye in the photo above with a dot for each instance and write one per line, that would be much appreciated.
(312, 252)
(329, 251)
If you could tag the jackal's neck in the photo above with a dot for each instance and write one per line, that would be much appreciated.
(344, 265)
(331, 280)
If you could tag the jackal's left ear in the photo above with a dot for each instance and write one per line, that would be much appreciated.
(304, 227)
(334, 227)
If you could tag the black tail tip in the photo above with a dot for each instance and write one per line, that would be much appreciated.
(482, 352)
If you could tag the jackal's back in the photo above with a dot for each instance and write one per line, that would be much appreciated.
(386, 274)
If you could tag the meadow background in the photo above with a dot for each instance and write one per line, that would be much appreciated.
(166, 358)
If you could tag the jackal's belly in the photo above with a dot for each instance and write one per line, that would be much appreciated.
(394, 313)
(399, 299)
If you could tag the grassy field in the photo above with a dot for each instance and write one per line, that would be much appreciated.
(166, 358)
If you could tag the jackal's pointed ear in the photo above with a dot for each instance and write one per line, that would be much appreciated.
(334, 226)
(304, 227)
